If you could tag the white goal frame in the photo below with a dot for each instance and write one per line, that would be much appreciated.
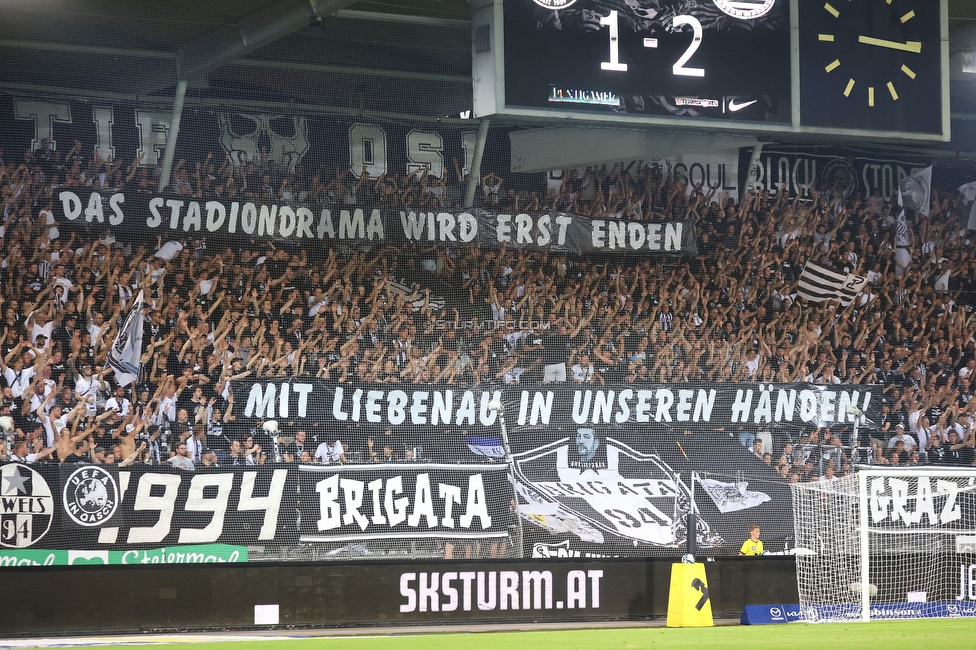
(863, 476)
(905, 526)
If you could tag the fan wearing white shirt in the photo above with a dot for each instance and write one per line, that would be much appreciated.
(18, 376)
(327, 453)
(118, 401)
(583, 370)
(901, 436)
(21, 453)
(968, 369)
(97, 326)
(86, 389)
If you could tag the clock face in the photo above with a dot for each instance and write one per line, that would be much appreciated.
(871, 64)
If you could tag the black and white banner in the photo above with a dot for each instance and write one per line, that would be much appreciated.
(899, 504)
(112, 508)
(612, 491)
(840, 173)
(708, 405)
(404, 501)
(135, 216)
(609, 472)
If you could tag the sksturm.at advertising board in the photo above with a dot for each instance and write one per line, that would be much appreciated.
(547, 588)
(135, 216)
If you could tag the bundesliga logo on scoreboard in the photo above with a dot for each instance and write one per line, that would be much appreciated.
(745, 9)
(554, 4)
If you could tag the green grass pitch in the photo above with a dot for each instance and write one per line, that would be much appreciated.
(890, 635)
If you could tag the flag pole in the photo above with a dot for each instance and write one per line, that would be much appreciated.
(499, 408)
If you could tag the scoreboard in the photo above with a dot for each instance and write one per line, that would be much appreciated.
(861, 68)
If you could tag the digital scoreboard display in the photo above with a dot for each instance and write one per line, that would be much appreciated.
(652, 57)
(851, 67)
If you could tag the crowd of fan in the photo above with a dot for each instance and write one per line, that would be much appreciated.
(220, 313)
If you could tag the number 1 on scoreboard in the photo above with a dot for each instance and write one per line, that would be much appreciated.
(614, 63)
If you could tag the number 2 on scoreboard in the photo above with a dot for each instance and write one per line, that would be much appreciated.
(679, 69)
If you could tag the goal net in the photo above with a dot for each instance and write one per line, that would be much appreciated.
(887, 543)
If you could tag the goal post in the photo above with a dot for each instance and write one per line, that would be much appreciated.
(887, 543)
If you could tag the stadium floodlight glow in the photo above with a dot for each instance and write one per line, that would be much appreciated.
(968, 60)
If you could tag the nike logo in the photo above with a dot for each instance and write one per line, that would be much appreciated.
(734, 108)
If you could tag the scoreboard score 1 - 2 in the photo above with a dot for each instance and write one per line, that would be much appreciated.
(851, 67)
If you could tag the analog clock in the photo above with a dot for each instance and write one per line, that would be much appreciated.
(871, 64)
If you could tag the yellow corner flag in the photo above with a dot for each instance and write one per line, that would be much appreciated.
(688, 601)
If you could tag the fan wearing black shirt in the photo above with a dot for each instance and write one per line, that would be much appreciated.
(956, 452)
(293, 452)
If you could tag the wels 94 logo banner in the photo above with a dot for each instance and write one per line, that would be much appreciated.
(26, 506)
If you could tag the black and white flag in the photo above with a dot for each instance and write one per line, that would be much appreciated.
(732, 497)
(818, 284)
(126, 352)
(917, 190)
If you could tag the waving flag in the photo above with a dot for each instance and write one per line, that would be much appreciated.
(903, 239)
(917, 189)
(125, 355)
(818, 284)
(490, 446)
(731, 497)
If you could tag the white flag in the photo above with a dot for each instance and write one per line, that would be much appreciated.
(969, 191)
(169, 250)
(942, 282)
(730, 497)
(972, 217)
(125, 355)
(917, 189)
(818, 284)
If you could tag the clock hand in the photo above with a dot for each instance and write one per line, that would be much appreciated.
(910, 46)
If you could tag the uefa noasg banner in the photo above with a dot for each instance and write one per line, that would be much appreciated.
(142, 217)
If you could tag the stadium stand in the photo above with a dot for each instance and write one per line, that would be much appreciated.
(445, 316)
